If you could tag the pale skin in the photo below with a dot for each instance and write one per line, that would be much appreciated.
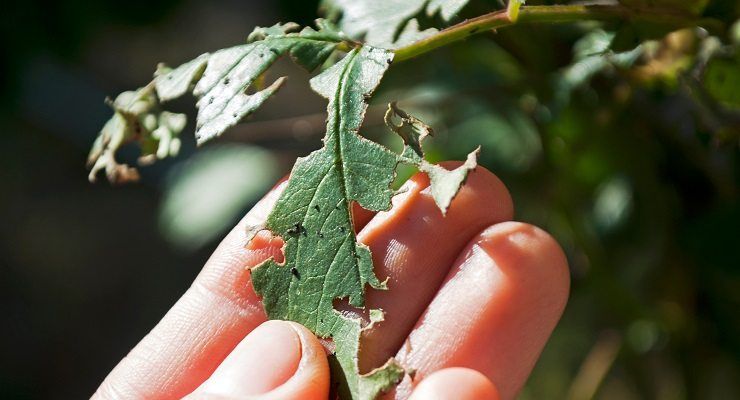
(473, 299)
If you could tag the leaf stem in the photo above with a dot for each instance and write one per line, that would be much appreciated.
(550, 14)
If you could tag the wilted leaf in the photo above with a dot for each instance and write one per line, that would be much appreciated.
(136, 117)
(220, 81)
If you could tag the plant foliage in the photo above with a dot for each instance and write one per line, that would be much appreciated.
(324, 262)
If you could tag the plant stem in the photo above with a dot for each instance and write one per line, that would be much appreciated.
(549, 14)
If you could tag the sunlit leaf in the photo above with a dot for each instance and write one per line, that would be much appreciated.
(379, 22)
(221, 82)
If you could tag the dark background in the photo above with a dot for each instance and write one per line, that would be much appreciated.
(631, 168)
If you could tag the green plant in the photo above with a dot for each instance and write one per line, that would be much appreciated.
(353, 48)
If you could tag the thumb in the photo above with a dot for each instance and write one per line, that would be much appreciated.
(277, 360)
(455, 384)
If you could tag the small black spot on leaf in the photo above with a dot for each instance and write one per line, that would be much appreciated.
(297, 229)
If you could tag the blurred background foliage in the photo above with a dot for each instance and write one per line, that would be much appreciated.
(626, 151)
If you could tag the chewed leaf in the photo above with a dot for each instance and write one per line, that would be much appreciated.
(262, 32)
(222, 91)
(136, 117)
(221, 82)
(446, 184)
(173, 83)
(411, 129)
(323, 259)
(217, 113)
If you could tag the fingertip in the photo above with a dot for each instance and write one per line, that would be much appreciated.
(531, 258)
(455, 384)
(278, 360)
(265, 359)
(496, 309)
(414, 244)
(311, 380)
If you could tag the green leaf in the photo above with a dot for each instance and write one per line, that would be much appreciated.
(444, 183)
(379, 22)
(323, 260)
(722, 80)
(593, 53)
(222, 91)
(412, 130)
(411, 33)
(171, 84)
(446, 8)
(220, 81)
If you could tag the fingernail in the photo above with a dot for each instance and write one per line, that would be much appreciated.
(264, 360)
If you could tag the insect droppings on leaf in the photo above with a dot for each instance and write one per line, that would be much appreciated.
(297, 229)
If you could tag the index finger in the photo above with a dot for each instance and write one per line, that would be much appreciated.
(208, 321)
(205, 324)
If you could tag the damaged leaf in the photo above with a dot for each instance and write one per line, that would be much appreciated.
(323, 260)
(222, 95)
(136, 117)
(220, 82)
(444, 183)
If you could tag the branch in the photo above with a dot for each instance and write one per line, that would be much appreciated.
(550, 14)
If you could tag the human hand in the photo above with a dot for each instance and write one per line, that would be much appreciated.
(467, 290)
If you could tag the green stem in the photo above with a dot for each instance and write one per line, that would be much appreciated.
(549, 14)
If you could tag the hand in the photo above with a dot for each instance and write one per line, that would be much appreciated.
(466, 290)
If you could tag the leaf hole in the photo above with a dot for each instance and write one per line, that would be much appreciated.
(265, 245)
(349, 311)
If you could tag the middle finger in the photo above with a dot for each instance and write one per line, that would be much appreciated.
(414, 245)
